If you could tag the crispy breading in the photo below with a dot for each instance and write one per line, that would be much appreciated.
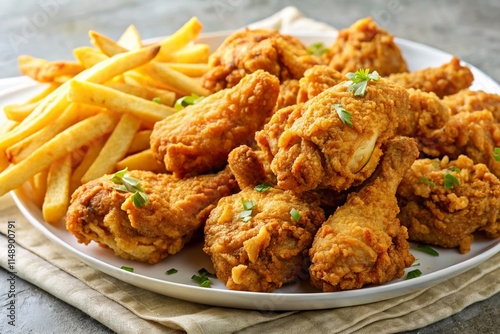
(448, 216)
(176, 209)
(363, 243)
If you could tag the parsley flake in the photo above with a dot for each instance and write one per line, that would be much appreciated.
(344, 115)
(427, 249)
(171, 271)
(360, 79)
(156, 100)
(427, 181)
(496, 154)
(263, 187)
(130, 269)
(187, 100)
(295, 214)
(413, 274)
(127, 183)
(317, 49)
(246, 215)
(203, 278)
(450, 181)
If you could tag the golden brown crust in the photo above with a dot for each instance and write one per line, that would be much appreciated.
(177, 208)
(266, 251)
(366, 45)
(448, 217)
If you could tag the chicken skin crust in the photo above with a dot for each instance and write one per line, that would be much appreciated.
(198, 139)
(474, 100)
(268, 250)
(444, 80)
(176, 209)
(247, 51)
(366, 45)
(363, 243)
(311, 147)
(448, 216)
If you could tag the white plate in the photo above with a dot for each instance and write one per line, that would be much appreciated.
(299, 296)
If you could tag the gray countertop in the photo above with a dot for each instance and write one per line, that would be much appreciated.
(52, 28)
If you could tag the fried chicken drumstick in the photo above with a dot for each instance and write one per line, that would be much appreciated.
(177, 208)
(310, 146)
(198, 139)
(363, 242)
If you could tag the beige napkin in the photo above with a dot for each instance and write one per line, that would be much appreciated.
(127, 309)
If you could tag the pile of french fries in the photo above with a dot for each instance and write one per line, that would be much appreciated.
(96, 114)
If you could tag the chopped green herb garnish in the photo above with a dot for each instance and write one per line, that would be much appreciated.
(246, 215)
(496, 153)
(360, 80)
(204, 272)
(171, 271)
(415, 265)
(295, 214)
(344, 115)
(413, 274)
(127, 268)
(427, 181)
(427, 249)
(454, 169)
(187, 100)
(263, 187)
(156, 100)
(127, 183)
(203, 278)
(450, 181)
(317, 49)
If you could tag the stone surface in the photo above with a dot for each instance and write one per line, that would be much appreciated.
(52, 28)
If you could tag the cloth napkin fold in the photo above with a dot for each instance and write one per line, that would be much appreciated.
(127, 309)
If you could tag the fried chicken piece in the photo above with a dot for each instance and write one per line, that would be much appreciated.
(198, 139)
(474, 134)
(363, 242)
(247, 51)
(289, 89)
(247, 167)
(444, 80)
(474, 100)
(366, 45)
(311, 147)
(316, 80)
(448, 216)
(267, 250)
(427, 113)
(176, 209)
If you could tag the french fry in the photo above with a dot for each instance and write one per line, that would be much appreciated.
(93, 150)
(140, 141)
(56, 200)
(46, 71)
(143, 160)
(112, 99)
(25, 147)
(182, 37)
(88, 56)
(115, 148)
(192, 70)
(56, 148)
(44, 93)
(177, 81)
(18, 112)
(108, 46)
(195, 53)
(130, 39)
(139, 79)
(38, 187)
(46, 113)
(159, 95)
(5, 126)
